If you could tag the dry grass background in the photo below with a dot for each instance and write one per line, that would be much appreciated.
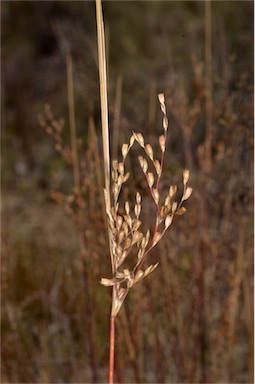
(192, 322)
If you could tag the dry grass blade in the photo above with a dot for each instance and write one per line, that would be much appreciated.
(104, 100)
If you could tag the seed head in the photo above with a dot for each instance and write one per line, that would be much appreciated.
(124, 150)
(185, 176)
(150, 178)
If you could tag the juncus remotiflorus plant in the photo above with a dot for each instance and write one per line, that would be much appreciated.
(124, 224)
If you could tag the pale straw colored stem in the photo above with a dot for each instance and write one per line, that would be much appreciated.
(104, 111)
(103, 99)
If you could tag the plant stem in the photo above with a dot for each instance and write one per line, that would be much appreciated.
(70, 91)
(208, 85)
(112, 347)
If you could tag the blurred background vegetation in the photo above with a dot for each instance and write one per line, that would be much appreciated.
(192, 320)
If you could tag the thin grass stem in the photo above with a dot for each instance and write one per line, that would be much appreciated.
(112, 348)
(208, 84)
(70, 92)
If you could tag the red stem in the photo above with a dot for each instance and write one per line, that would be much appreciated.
(112, 344)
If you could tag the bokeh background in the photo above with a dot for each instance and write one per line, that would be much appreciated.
(191, 321)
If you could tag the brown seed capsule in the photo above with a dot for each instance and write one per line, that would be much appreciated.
(119, 221)
(157, 167)
(185, 176)
(115, 165)
(139, 139)
(106, 282)
(156, 238)
(121, 168)
(131, 142)
(162, 143)
(139, 275)
(149, 151)
(168, 221)
(174, 206)
(138, 198)
(124, 150)
(155, 195)
(161, 98)
(137, 210)
(181, 211)
(187, 193)
(172, 190)
(150, 179)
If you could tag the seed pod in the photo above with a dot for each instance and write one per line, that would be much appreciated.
(149, 151)
(127, 243)
(139, 138)
(106, 282)
(174, 206)
(124, 150)
(122, 258)
(187, 193)
(119, 221)
(162, 143)
(138, 198)
(121, 236)
(127, 208)
(168, 221)
(121, 168)
(136, 224)
(140, 254)
(161, 98)
(118, 250)
(125, 227)
(115, 165)
(150, 269)
(181, 211)
(157, 167)
(185, 176)
(172, 190)
(163, 211)
(137, 210)
(147, 237)
(131, 142)
(143, 164)
(126, 272)
(156, 238)
(136, 237)
(155, 195)
(150, 179)
(139, 276)
(168, 202)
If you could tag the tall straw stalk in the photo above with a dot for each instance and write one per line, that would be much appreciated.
(106, 150)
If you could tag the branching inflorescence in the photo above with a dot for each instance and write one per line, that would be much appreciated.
(124, 227)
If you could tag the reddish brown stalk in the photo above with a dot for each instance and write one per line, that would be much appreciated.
(208, 86)
(112, 345)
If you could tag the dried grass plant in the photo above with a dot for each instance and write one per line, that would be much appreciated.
(78, 202)
(124, 223)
